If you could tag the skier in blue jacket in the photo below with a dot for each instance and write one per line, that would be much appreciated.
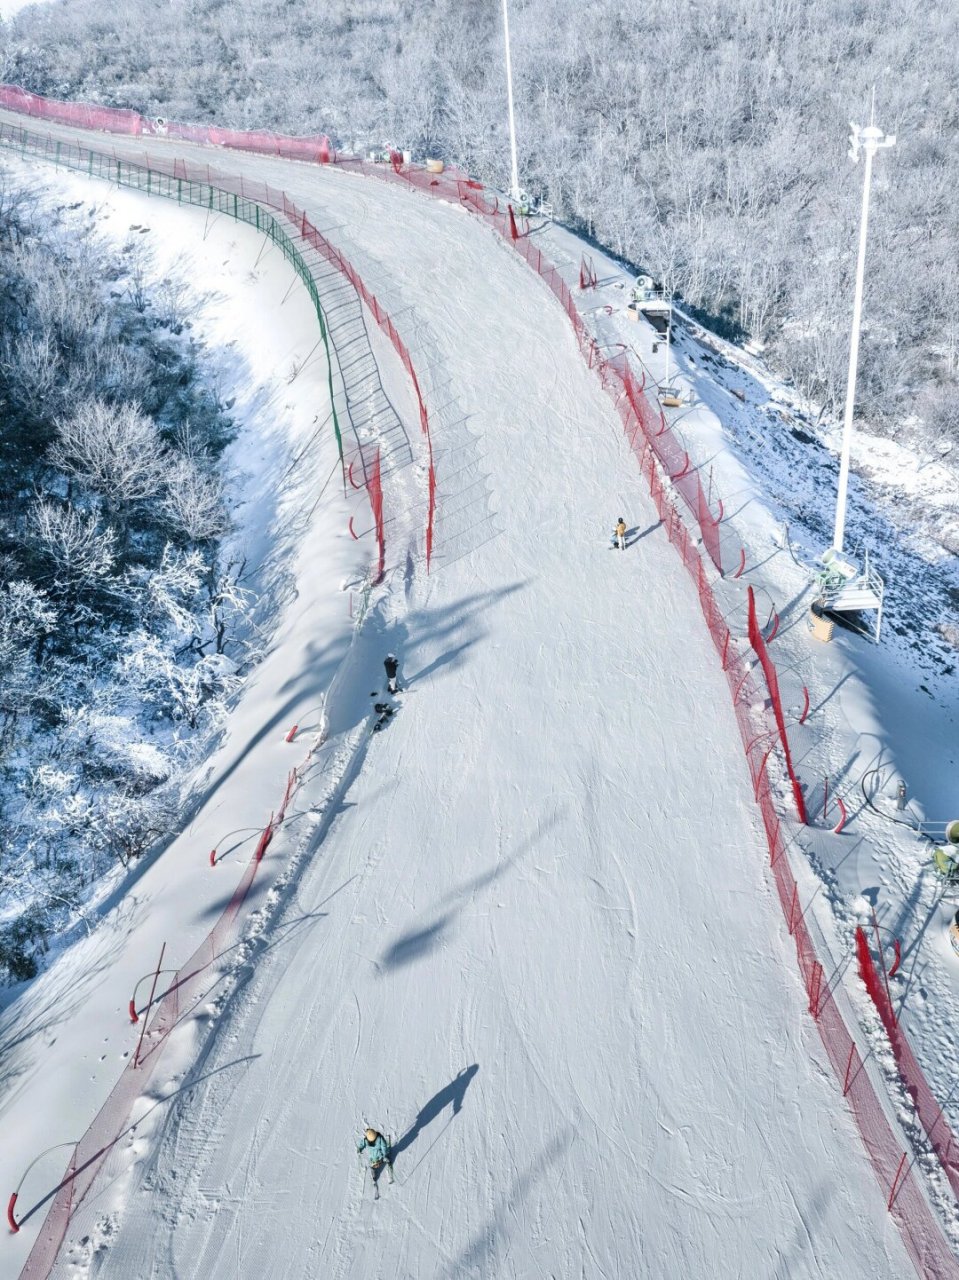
(378, 1153)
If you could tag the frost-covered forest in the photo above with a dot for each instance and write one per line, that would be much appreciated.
(704, 140)
(117, 604)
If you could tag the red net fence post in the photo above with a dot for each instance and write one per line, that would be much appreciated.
(153, 988)
(877, 991)
(431, 512)
(758, 643)
(264, 841)
(375, 490)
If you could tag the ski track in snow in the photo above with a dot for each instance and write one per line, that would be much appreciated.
(548, 869)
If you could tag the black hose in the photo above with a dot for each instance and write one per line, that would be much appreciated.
(902, 822)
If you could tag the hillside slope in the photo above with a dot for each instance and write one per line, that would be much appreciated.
(536, 943)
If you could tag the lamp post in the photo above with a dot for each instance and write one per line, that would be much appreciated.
(869, 140)
(514, 169)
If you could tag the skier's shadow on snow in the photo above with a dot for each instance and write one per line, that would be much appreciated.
(414, 944)
(634, 535)
(452, 1093)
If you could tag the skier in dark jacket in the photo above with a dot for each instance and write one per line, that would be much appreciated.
(392, 665)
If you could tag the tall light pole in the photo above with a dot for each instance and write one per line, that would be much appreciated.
(868, 140)
(514, 170)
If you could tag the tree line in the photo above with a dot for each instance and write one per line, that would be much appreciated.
(704, 142)
(116, 598)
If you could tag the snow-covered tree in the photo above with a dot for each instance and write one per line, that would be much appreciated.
(77, 552)
(110, 598)
(26, 619)
(169, 591)
(115, 450)
(193, 501)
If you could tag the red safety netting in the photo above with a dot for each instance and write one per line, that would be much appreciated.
(83, 115)
(930, 1112)
(375, 490)
(758, 642)
(921, 1231)
(893, 1163)
(315, 149)
(188, 990)
(333, 255)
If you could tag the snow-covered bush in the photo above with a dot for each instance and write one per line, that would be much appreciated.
(173, 692)
(120, 627)
(26, 619)
(114, 450)
(22, 942)
(78, 551)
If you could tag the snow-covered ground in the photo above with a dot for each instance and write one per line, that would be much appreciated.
(536, 942)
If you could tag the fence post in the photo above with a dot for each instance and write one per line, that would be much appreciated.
(815, 986)
(759, 775)
(846, 1082)
(156, 978)
(842, 816)
(792, 909)
(896, 1182)
(805, 708)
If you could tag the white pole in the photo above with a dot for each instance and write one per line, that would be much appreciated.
(669, 326)
(514, 169)
(871, 139)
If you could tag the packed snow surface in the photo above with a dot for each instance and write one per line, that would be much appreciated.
(534, 940)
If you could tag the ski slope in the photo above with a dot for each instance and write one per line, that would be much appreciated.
(536, 942)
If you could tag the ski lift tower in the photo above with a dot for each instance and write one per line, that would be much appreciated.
(844, 586)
